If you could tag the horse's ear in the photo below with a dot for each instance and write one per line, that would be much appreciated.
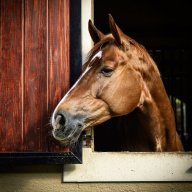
(115, 30)
(95, 34)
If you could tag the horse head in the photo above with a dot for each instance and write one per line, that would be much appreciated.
(109, 86)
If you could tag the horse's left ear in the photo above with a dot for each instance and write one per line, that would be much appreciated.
(115, 30)
(95, 34)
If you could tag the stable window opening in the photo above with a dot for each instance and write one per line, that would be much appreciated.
(167, 41)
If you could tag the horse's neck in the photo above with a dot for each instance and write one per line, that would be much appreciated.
(151, 126)
(158, 117)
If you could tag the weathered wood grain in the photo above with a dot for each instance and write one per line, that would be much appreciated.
(34, 71)
(10, 75)
(58, 58)
(35, 80)
(58, 51)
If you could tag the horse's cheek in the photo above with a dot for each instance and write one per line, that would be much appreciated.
(123, 107)
(125, 99)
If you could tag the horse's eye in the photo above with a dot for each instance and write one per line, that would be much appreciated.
(106, 71)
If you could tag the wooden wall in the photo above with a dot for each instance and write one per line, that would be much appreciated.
(34, 71)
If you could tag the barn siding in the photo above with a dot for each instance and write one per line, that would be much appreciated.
(10, 75)
(34, 71)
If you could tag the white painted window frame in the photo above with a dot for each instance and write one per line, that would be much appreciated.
(124, 166)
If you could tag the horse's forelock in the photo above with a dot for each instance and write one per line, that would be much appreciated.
(97, 47)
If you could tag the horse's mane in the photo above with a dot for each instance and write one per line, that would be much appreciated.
(148, 65)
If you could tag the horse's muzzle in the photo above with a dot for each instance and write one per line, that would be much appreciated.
(66, 127)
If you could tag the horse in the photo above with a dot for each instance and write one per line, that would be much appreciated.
(119, 78)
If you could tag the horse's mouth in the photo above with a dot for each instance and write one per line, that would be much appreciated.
(66, 139)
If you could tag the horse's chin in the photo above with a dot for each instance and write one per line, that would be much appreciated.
(69, 143)
(67, 140)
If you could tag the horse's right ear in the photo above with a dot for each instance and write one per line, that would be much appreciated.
(115, 30)
(95, 34)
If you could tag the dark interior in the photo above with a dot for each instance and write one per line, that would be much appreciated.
(165, 31)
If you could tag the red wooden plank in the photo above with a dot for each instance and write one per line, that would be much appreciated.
(58, 59)
(35, 64)
(10, 75)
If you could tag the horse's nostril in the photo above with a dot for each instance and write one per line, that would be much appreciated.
(60, 119)
(79, 125)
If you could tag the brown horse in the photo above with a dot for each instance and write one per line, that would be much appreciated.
(119, 78)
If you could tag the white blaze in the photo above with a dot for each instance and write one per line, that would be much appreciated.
(99, 55)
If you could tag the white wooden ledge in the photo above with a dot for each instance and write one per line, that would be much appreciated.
(129, 167)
